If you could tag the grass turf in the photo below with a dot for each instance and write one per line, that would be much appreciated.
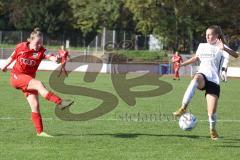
(144, 131)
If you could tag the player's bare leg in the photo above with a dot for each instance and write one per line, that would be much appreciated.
(197, 82)
(60, 71)
(65, 71)
(48, 95)
(212, 101)
(175, 70)
(177, 74)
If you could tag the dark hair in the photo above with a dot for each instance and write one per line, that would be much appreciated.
(217, 30)
(35, 33)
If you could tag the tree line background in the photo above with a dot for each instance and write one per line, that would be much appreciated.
(179, 24)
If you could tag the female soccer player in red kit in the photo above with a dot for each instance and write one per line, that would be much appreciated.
(176, 60)
(28, 55)
(64, 55)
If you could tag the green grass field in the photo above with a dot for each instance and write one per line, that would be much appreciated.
(119, 134)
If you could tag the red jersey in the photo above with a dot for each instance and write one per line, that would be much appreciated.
(63, 54)
(177, 59)
(27, 61)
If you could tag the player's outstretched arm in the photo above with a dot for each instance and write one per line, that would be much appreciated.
(231, 52)
(53, 58)
(7, 63)
(190, 61)
(228, 50)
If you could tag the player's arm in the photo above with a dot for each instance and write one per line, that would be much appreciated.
(225, 61)
(8, 62)
(181, 59)
(53, 58)
(231, 52)
(189, 61)
(227, 49)
(223, 72)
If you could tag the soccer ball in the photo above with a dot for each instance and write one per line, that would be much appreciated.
(187, 121)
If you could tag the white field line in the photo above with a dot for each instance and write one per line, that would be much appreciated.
(121, 120)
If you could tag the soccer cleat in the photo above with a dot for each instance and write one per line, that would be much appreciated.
(43, 134)
(214, 134)
(65, 103)
(179, 112)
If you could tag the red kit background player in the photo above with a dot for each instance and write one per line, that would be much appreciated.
(64, 55)
(176, 60)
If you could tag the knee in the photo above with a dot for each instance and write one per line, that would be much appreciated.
(198, 77)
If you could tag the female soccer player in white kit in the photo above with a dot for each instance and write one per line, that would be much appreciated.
(211, 55)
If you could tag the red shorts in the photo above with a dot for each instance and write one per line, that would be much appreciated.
(21, 81)
(176, 66)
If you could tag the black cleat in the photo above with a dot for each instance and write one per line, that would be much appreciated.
(65, 103)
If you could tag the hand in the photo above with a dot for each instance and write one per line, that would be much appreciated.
(223, 75)
(59, 59)
(220, 44)
(4, 69)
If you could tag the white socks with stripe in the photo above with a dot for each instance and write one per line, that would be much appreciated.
(189, 92)
(212, 121)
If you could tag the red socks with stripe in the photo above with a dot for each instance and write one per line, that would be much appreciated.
(53, 98)
(37, 121)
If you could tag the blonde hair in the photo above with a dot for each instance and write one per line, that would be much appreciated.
(35, 33)
(218, 31)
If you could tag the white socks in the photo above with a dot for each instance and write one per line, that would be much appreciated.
(189, 92)
(212, 120)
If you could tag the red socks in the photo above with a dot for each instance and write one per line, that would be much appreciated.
(177, 74)
(53, 98)
(36, 117)
(37, 121)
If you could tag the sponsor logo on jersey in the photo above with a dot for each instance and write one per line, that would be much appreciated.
(207, 55)
(29, 62)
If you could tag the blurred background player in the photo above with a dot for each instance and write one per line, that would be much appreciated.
(176, 60)
(28, 55)
(210, 54)
(64, 55)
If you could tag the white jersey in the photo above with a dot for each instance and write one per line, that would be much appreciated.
(211, 59)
